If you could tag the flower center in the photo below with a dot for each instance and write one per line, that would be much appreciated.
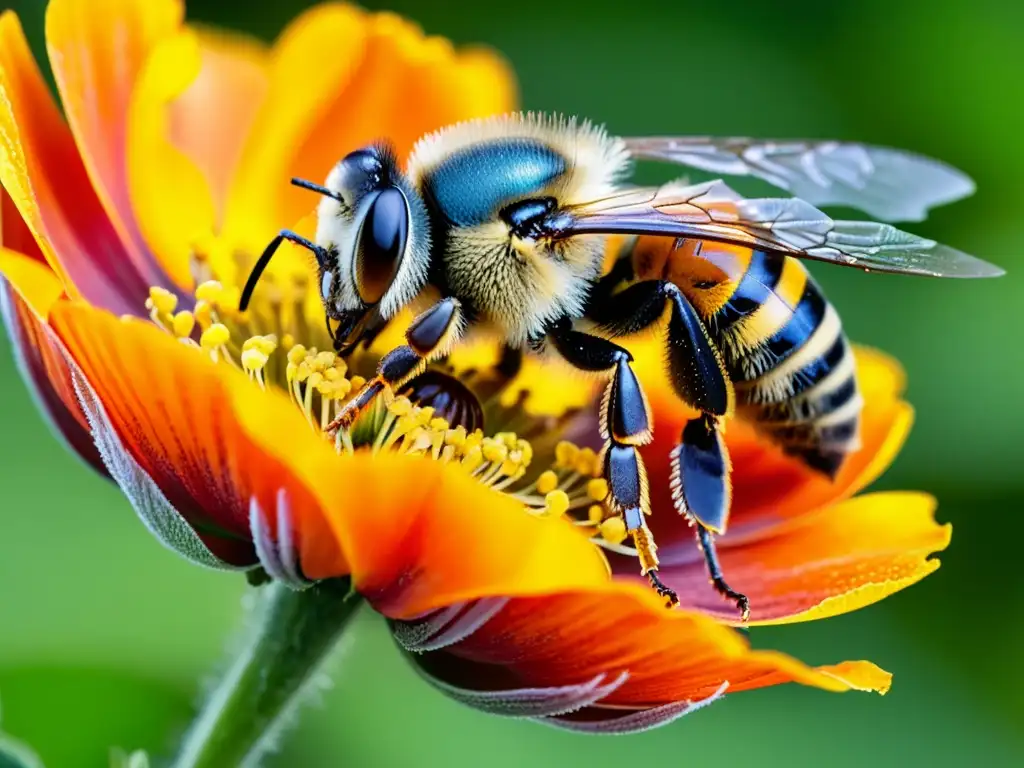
(437, 415)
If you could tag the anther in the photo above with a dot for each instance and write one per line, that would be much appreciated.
(565, 454)
(613, 530)
(162, 300)
(547, 482)
(586, 462)
(211, 292)
(597, 489)
(183, 324)
(203, 313)
(556, 504)
(214, 337)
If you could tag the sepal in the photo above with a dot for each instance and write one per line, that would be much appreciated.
(278, 554)
(602, 720)
(530, 702)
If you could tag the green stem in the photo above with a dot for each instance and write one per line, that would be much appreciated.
(292, 633)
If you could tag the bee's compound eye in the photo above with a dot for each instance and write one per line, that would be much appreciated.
(326, 284)
(382, 241)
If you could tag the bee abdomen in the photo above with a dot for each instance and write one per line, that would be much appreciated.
(794, 374)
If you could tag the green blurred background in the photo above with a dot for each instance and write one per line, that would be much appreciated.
(104, 635)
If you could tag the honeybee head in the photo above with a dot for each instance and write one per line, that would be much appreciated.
(372, 226)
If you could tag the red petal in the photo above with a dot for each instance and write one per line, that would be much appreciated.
(28, 290)
(42, 172)
(97, 50)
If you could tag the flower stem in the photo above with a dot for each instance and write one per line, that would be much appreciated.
(291, 635)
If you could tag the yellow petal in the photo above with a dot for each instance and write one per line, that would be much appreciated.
(210, 121)
(364, 77)
(170, 195)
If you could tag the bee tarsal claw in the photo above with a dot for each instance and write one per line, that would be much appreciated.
(671, 598)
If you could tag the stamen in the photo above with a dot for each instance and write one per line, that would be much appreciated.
(214, 341)
(183, 324)
(436, 415)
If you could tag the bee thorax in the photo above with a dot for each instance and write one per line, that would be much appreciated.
(516, 285)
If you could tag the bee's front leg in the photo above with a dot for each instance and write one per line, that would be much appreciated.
(431, 335)
(625, 425)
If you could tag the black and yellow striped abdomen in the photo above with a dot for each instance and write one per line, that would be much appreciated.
(782, 343)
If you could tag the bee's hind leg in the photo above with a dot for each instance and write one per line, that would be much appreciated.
(701, 493)
(625, 425)
(429, 336)
(700, 466)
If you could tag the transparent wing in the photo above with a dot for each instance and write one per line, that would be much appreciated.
(889, 184)
(712, 211)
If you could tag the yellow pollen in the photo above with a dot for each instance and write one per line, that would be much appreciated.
(211, 292)
(494, 451)
(597, 489)
(526, 450)
(162, 300)
(586, 462)
(203, 313)
(456, 437)
(565, 454)
(215, 336)
(556, 504)
(254, 360)
(595, 514)
(296, 354)
(613, 530)
(473, 459)
(547, 482)
(357, 382)
(400, 406)
(183, 324)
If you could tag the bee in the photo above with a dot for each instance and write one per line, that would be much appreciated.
(504, 221)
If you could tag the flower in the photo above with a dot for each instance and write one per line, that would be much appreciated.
(486, 553)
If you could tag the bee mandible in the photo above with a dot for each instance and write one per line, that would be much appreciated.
(502, 222)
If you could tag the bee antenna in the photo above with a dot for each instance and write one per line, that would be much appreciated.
(268, 254)
(314, 188)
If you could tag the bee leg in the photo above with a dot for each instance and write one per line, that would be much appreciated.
(701, 493)
(625, 425)
(429, 336)
(700, 467)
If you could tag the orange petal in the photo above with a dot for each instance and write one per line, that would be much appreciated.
(209, 122)
(172, 200)
(669, 655)
(365, 77)
(211, 440)
(823, 564)
(42, 172)
(28, 290)
(171, 407)
(434, 538)
(98, 49)
(767, 485)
